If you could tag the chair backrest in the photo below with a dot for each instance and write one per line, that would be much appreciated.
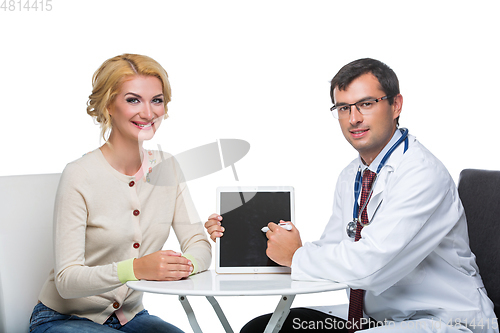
(479, 191)
(26, 250)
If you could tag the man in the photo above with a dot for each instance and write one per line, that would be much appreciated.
(408, 263)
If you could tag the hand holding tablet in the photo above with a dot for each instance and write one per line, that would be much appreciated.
(214, 227)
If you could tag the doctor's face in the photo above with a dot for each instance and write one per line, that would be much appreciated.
(368, 133)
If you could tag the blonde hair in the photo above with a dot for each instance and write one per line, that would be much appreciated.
(108, 79)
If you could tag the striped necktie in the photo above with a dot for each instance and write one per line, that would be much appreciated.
(356, 295)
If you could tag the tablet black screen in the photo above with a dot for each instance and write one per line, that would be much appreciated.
(243, 243)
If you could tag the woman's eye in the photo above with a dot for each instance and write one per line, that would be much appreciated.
(158, 100)
(132, 100)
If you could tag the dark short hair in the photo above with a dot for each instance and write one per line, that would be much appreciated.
(388, 80)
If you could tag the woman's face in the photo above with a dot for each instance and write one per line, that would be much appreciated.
(137, 109)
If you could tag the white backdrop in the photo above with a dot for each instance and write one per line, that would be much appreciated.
(257, 71)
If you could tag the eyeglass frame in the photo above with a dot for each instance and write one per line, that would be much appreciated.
(357, 107)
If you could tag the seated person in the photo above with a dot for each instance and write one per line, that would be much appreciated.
(405, 252)
(114, 210)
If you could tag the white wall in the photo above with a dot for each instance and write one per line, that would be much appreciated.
(258, 71)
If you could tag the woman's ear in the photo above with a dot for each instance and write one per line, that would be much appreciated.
(108, 110)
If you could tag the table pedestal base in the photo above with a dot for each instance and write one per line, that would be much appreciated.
(274, 325)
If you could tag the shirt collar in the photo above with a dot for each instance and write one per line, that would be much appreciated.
(374, 165)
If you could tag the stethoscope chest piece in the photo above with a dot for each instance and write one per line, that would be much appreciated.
(351, 229)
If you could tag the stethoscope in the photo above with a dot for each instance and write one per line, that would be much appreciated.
(356, 214)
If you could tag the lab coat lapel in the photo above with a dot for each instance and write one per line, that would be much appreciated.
(383, 177)
(376, 198)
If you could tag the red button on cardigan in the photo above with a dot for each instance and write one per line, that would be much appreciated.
(136, 245)
(136, 212)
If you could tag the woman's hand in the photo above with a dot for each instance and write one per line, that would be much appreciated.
(214, 227)
(162, 266)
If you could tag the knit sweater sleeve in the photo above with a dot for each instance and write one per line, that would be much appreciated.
(189, 229)
(73, 278)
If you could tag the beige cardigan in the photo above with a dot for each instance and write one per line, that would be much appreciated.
(103, 218)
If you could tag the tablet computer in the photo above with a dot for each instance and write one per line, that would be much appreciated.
(245, 210)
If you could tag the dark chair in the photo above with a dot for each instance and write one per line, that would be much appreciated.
(479, 191)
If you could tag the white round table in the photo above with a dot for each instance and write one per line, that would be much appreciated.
(210, 284)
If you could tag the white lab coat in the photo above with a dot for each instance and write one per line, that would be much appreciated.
(413, 260)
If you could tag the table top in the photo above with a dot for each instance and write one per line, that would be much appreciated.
(209, 283)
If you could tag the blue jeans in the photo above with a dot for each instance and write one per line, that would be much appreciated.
(47, 320)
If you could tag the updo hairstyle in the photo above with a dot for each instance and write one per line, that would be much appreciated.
(108, 79)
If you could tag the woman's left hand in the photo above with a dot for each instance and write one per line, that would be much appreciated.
(214, 227)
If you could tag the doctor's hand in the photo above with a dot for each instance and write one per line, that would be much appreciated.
(282, 244)
(213, 226)
(162, 266)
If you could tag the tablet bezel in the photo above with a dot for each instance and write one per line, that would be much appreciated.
(252, 269)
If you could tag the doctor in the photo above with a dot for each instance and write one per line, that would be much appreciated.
(397, 235)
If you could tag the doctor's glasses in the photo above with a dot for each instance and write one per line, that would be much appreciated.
(365, 106)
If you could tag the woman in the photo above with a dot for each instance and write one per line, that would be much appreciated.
(114, 209)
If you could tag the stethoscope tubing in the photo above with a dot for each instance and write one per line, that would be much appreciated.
(359, 179)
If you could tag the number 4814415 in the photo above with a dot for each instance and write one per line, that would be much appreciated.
(26, 5)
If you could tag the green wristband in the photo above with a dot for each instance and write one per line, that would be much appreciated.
(195, 265)
(126, 270)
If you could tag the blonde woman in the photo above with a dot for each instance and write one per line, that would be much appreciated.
(114, 210)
